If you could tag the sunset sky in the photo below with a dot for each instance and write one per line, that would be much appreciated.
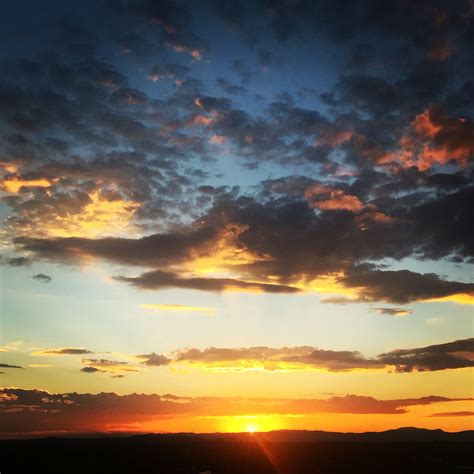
(236, 215)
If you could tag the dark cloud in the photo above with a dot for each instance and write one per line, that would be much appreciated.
(158, 279)
(17, 261)
(397, 312)
(154, 359)
(90, 370)
(42, 277)
(152, 250)
(8, 366)
(453, 413)
(294, 243)
(402, 286)
(66, 351)
(108, 366)
(451, 355)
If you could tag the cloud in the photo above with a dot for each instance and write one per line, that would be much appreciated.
(326, 198)
(42, 277)
(339, 300)
(14, 185)
(450, 355)
(396, 312)
(453, 413)
(25, 412)
(285, 358)
(17, 261)
(282, 245)
(8, 366)
(179, 308)
(402, 286)
(109, 366)
(11, 346)
(64, 351)
(157, 249)
(435, 138)
(154, 359)
(158, 279)
(91, 370)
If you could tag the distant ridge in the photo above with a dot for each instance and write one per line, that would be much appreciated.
(399, 435)
(406, 434)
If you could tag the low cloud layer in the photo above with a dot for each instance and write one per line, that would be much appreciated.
(24, 412)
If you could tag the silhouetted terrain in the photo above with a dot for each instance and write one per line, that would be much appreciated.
(406, 450)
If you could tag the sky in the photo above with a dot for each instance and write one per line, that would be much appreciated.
(236, 215)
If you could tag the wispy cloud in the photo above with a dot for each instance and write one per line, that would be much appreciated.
(62, 351)
(396, 312)
(179, 308)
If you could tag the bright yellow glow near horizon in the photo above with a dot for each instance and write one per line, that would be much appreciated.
(417, 416)
(251, 423)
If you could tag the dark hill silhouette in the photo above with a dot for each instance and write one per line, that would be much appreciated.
(405, 450)
(407, 434)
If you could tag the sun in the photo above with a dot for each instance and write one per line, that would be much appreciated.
(251, 428)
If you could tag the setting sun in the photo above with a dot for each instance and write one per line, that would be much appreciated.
(252, 423)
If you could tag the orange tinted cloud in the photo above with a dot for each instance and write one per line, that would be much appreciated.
(201, 120)
(440, 51)
(334, 138)
(327, 198)
(434, 139)
(217, 139)
(13, 185)
(8, 167)
(195, 53)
